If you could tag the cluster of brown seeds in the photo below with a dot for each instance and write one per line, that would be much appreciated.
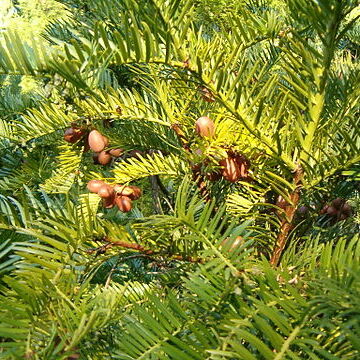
(95, 141)
(119, 195)
(98, 143)
(338, 209)
(233, 168)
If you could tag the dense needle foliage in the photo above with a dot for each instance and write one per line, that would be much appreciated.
(244, 243)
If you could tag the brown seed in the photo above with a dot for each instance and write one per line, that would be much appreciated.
(123, 203)
(205, 127)
(97, 142)
(109, 202)
(104, 158)
(136, 192)
(243, 163)
(116, 152)
(338, 203)
(331, 211)
(230, 170)
(95, 185)
(123, 190)
(346, 209)
(72, 135)
(343, 216)
(106, 191)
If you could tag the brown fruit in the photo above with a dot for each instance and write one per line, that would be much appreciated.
(109, 202)
(97, 142)
(343, 217)
(106, 191)
(338, 203)
(243, 163)
(95, 185)
(331, 211)
(205, 127)
(136, 192)
(116, 152)
(104, 158)
(73, 134)
(230, 170)
(346, 209)
(123, 203)
(123, 190)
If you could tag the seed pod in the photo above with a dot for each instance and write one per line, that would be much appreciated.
(69, 135)
(243, 163)
(109, 202)
(136, 192)
(95, 185)
(123, 203)
(116, 152)
(106, 191)
(73, 134)
(205, 127)
(338, 203)
(331, 211)
(230, 170)
(346, 209)
(343, 216)
(97, 142)
(104, 158)
(123, 190)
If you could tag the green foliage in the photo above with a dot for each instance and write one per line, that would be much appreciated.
(198, 269)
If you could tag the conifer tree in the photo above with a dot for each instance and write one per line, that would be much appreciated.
(176, 184)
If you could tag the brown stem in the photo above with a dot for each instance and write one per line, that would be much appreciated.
(286, 219)
(155, 195)
(145, 252)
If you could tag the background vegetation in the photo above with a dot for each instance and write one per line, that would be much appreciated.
(245, 241)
